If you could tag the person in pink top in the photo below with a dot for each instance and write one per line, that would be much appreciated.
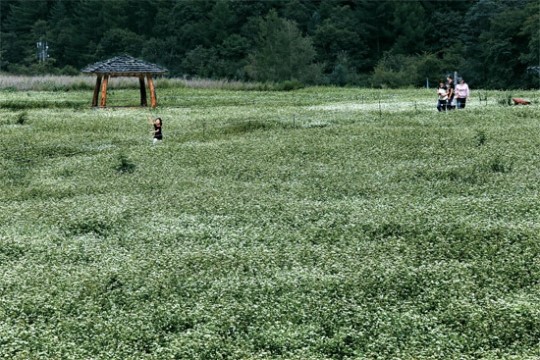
(462, 93)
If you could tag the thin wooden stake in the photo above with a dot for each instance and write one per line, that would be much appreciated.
(380, 110)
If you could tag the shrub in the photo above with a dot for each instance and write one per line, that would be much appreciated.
(98, 227)
(289, 85)
(124, 165)
(505, 99)
(246, 126)
(69, 70)
(396, 70)
(497, 165)
(480, 138)
(21, 118)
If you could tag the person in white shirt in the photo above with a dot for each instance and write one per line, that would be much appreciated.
(462, 93)
(442, 93)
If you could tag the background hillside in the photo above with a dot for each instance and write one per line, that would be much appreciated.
(494, 44)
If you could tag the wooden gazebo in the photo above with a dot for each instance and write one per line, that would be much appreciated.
(124, 66)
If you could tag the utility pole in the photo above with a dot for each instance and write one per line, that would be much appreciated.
(42, 51)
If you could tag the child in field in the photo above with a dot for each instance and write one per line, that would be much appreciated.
(443, 97)
(157, 132)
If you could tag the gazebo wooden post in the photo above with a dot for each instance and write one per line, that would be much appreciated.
(96, 91)
(143, 91)
(153, 99)
(104, 90)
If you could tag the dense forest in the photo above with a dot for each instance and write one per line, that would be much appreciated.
(492, 43)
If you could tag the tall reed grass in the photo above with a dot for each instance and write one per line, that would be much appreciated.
(85, 82)
(45, 83)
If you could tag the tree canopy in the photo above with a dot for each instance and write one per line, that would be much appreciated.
(492, 43)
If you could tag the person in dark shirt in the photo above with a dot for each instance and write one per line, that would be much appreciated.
(451, 93)
(157, 131)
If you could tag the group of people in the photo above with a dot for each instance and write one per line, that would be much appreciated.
(451, 96)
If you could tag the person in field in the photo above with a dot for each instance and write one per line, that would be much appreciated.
(157, 131)
(442, 93)
(462, 93)
(451, 105)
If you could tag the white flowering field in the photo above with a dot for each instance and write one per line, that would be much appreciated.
(320, 223)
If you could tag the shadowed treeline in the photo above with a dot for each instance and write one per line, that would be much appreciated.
(492, 43)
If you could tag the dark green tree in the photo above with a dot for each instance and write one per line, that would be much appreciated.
(530, 29)
(341, 34)
(233, 53)
(164, 51)
(376, 17)
(409, 22)
(221, 21)
(200, 62)
(301, 12)
(500, 48)
(63, 46)
(281, 52)
(20, 33)
(119, 41)
(477, 20)
(493, 43)
(496, 47)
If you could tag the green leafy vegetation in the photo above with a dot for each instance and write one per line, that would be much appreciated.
(22, 117)
(492, 43)
(124, 164)
(317, 223)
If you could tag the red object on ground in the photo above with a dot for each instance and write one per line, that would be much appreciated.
(520, 101)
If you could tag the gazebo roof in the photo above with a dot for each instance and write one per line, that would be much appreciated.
(124, 65)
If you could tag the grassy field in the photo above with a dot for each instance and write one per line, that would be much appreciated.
(320, 223)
